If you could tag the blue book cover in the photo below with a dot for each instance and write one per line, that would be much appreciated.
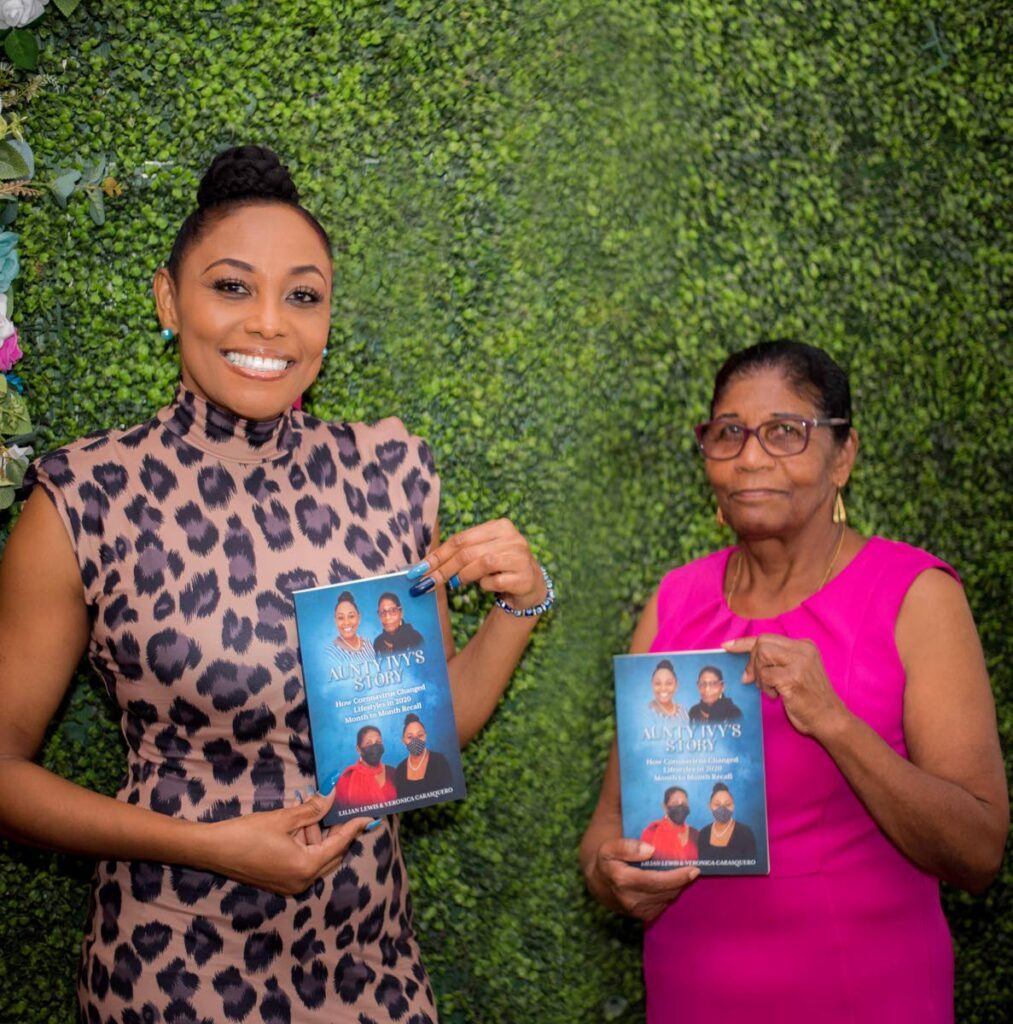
(381, 715)
(690, 737)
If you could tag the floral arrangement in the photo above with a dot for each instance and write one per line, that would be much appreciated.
(17, 169)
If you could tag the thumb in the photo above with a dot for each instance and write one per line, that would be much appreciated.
(310, 811)
(629, 850)
(744, 645)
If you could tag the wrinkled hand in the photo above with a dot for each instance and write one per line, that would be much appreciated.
(792, 670)
(640, 892)
(273, 849)
(493, 554)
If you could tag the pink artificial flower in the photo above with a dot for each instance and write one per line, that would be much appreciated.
(10, 353)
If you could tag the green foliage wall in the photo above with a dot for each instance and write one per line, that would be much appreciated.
(553, 220)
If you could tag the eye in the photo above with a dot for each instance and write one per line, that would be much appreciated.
(230, 286)
(728, 431)
(786, 428)
(305, 296)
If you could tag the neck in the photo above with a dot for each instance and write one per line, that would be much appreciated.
(778, 567)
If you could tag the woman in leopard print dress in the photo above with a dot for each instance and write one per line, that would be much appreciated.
(170, 551)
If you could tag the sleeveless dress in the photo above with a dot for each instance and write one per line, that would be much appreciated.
(191, 532)
(845, 929)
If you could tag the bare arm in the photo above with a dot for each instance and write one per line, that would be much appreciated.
(605, 856)
(946, 808)
(497, 557)
(44, 631)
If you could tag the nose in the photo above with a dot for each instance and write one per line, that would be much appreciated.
(267, 318)
(753, 454)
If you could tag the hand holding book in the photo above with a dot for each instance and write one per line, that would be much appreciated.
(631, 890)
(793, 671)
(494, 554)
(274, 849)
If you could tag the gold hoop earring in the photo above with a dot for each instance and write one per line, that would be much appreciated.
(719, 517)
(840, 514)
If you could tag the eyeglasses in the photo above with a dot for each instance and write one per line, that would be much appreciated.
(785, 435)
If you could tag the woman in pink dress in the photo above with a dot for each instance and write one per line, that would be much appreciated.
(884, 773)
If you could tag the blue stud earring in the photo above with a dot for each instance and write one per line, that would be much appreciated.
(167, 334)
(323, 354)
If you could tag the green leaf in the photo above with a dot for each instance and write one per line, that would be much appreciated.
(15, 471)
(12, 163)
(94, 172)
(66, 7)
(97, 206)
(6, 497)
(13, 415)
(26, 152)
(23, 49)
(63, 185)
(8, 213)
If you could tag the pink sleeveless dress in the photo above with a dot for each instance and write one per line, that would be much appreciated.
(845, 929)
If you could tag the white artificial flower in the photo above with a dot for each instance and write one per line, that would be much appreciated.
(18, 13)
(6, 325)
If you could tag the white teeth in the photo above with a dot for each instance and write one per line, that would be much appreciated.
(256, 362)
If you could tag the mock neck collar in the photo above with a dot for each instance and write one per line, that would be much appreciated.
(225, 435)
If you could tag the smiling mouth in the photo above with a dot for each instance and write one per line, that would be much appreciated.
(258, 364)
(755, 493)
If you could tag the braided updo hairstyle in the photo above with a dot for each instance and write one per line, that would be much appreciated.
(237, 177)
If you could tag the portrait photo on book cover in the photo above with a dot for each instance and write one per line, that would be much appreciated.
(381, 717)
(690, 737)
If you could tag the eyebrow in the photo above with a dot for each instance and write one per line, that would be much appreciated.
(305, 268)
(773, 416)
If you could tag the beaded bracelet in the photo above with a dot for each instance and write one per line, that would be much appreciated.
(538, 609)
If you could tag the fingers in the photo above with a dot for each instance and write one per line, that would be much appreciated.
(499, 567)
(330, 852)
(492, 530)
(665, 881)
(495, 555)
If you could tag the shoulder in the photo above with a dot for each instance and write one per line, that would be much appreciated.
(895, 557)
(386, 443)
(679, 583)
(708, 566)
(77, 460)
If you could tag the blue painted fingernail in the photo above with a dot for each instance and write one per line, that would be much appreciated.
(417, 570)
(422, 587)
(454, 582)
(298, 795)
(373, 824)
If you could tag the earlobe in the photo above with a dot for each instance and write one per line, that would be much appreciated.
(846, 456)
(165, 298)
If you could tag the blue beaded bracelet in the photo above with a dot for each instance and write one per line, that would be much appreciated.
(538, 609)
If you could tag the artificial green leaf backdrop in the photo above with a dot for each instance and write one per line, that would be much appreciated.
(552, 221)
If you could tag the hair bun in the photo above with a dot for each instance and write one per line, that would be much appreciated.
(246, 172)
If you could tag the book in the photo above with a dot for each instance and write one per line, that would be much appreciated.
(381, 715)
(690, 737)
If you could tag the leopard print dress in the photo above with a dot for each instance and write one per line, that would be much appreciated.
(191, 532)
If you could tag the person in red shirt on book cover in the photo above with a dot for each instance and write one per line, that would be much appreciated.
(670, 836)
(369, 780)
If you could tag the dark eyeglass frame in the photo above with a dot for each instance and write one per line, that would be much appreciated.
(808, 424)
